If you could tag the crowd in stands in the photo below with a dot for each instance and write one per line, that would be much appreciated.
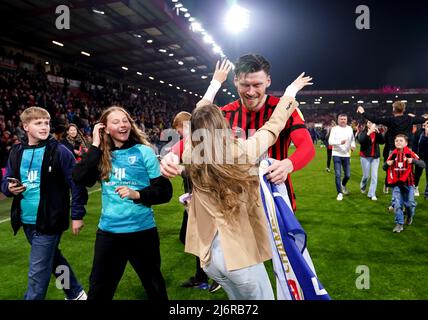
(21, 88)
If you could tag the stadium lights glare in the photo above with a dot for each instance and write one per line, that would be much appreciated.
(237, 19)
(317, 102)
(192, 70)
(345, 102)
(183, 9)
(85, 53)
(149, 41)
(184, 90)
(187, 15)
(178, 5)
(191, 19)
(161, 81)
(224, 90)
(233, 96)
(360, 101)
(151, 78)
(174, 0)
(196, 94)
(204, 77)
(331, 102)
(196, 27)
(404, 101)
(208, 39)
(352, 97)
(58, 43)
(178, 88)
(229, 93)
(162, 50)
(137, 35)
(302, 102)
(47, 62)
(139, 73)
(97, 11)
(170, 84)
(388, 101)
(180, 63)
(375, 101)
(125, 68)
(171, 54)
(418, 101)
(216, 49)
(190, 92)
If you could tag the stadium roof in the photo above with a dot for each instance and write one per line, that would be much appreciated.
(144, 36)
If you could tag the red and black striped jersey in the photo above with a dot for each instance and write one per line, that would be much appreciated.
(245, 123)
(401, 171)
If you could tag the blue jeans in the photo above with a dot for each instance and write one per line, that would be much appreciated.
(403, 195)
(250, 283)
(369, 165)
(340, 162)
(45, 257)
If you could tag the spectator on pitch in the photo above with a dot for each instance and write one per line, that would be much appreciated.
(38, 177)
(343, 141)
(122, 159)
(227, 227)
(400, 177)
(328, 147)
(370, 138)
(200, 279)
(422, 151)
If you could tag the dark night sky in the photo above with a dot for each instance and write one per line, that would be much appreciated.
(320, 38)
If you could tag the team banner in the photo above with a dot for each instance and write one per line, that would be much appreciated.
(295, 274)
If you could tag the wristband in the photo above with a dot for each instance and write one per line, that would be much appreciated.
(291, 91)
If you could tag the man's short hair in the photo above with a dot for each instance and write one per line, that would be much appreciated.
(398, 107)
(180, 118)
(401, 135)
(342, 115)
(33, 113)
(250, 63)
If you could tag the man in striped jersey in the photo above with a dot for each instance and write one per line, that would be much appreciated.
(247, 114)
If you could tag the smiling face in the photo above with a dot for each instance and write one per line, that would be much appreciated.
(118, 127)
(400, 142)
(72, 132)
(37, 130)
(252, 89)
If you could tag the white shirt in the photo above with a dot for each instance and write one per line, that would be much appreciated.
(337, 135)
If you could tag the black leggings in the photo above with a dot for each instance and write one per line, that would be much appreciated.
(114, 250)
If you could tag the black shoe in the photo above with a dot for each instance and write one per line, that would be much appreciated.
(193, 283)
(214, 287)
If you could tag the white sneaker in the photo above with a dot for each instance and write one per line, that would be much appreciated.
(339, 197)
(374, 198)
(81, 296)
(345, 190)
(416, 192)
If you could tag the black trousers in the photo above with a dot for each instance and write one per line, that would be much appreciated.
(113, 251)
(200, 275)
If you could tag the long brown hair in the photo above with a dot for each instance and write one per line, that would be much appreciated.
(225, 182)
(106, 144)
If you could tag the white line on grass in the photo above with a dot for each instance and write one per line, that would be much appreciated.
(90, 192)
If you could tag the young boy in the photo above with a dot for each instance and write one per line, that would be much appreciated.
(38, 177)
(400, 177)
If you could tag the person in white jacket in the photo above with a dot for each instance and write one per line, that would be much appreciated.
(343, 141)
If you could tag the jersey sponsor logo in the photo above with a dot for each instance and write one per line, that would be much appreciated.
(119, 173)
(132, 159)
(32, 175)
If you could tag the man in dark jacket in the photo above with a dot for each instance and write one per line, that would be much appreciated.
(38, 177)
